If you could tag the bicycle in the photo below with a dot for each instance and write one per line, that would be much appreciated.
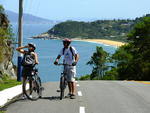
(33, 86)
(63, 80)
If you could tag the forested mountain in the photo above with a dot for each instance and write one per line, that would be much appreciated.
(103, 29)
(28, 18)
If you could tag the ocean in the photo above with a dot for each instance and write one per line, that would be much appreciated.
(48, 50)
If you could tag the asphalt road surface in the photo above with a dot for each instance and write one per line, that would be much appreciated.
(92, 97)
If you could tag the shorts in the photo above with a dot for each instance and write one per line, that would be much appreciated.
(27, 71)
(70, 73)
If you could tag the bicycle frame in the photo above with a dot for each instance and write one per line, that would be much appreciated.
(34, 86)
(63, 80)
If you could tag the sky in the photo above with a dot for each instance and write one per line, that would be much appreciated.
(81, 9)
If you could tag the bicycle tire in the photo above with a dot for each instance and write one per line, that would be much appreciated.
(40, 87)
(32, 92)
(62, 84)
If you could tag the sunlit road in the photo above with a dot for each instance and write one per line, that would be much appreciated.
(92, 97)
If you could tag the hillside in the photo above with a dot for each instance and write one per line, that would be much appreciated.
(6, 46)
(100, 29)
(28, 18)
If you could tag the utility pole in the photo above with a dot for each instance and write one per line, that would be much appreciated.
(20, 39)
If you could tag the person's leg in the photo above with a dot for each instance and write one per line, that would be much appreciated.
(73, 85)
(70, 87)
(67, 71)
(23, 84)
(23, 87)
(73, 96)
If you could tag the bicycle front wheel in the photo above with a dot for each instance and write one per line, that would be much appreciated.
(32, 89)
(62, 87)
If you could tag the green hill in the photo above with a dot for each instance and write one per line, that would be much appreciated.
(102, 29)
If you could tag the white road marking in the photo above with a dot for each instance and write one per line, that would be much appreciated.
(82, 110)
(79, 93)
(76, 81)
(78, 85)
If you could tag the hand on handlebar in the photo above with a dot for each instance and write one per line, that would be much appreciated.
(56, 63)
(74, 63)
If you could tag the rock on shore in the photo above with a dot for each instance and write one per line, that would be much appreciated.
(45, 36)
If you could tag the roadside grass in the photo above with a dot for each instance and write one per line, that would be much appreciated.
(85, 77)
(7, 82)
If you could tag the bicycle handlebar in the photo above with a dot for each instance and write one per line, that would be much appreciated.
(63, 64)
(35, 64)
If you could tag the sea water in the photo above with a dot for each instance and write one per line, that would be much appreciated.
(48, 50)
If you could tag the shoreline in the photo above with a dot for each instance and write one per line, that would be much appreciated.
(99, 41)
(102, 41)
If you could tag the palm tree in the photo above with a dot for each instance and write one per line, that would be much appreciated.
(98, 61)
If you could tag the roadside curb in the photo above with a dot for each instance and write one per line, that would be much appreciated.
(144, 82)
(8, 95)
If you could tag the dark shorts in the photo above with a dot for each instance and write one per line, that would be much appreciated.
(27, 71)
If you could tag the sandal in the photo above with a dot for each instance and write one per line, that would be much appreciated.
(73, 96)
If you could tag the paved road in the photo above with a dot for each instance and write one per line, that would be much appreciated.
(93, 97)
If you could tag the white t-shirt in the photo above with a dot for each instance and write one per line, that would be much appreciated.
(68, 58)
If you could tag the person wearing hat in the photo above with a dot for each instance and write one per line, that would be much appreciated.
(29, 60)
(71, 57)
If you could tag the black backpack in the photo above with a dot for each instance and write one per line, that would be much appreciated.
(28, 60)
(70, 50)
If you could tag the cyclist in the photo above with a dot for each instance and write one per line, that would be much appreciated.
(29, 60)
(71, 57)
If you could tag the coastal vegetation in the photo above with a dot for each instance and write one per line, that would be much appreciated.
(132, 60)
(98, 62)
(6, 82)
(116, 29)
(103, 29)
(7, 71)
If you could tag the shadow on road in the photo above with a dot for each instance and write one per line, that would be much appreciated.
(52, 98)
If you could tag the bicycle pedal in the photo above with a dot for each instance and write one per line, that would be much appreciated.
(58, 90)
(42, 88)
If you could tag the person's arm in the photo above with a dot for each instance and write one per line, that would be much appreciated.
(57, 59)
(21, 49)
(76, 57)
(36, 58)
(76, 60)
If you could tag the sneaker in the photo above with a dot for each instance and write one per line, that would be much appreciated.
(30, 96)
(69, 95)
(23, 97)
(72, 96)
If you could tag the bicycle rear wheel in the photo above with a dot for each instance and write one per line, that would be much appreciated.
(32, 89)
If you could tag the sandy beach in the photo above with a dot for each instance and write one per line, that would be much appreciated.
(103, 41)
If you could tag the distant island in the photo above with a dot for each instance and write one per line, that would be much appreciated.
(116, 30)
(29, 19)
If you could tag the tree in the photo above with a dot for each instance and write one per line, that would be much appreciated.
(6, 36)
(133, 59)
(140, 39)
(98, 61)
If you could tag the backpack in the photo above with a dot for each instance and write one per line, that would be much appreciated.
(28, 60)
(70, 50)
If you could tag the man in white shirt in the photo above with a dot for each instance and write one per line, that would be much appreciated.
(71, 57)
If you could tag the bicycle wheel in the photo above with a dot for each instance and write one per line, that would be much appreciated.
(32, 89)
(62, 87)
(40, 87)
